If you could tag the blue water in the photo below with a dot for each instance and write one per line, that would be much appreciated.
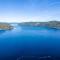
(29, 41)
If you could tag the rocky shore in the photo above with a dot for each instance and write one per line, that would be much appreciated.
(5, 26)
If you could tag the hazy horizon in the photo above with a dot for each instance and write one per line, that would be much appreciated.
(29, 10)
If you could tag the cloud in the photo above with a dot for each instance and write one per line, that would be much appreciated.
(28, 18)
(12, 19)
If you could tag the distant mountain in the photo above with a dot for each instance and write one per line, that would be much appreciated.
(50, 24)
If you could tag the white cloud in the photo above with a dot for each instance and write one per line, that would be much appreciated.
(24, 18)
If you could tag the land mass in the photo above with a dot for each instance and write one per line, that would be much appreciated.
(5, 26)
(50, 24)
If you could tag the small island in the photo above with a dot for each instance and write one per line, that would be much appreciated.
(5, 26)
(49, 24)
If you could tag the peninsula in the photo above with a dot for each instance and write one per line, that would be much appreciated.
(5, 26)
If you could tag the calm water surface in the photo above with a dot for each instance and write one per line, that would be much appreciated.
(29, 41)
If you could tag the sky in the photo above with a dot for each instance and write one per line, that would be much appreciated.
(29, 10)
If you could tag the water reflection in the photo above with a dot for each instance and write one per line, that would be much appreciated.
(2, 31)
(38, 58)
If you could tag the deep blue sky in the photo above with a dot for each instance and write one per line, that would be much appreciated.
(29, 10)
